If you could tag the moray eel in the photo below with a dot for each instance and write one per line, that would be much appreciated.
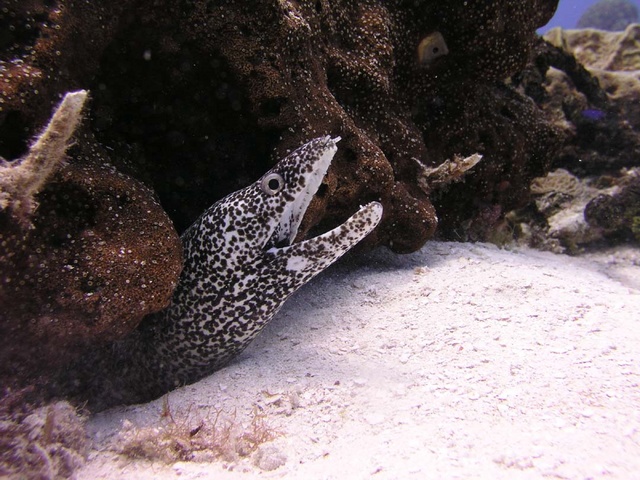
(241, 264)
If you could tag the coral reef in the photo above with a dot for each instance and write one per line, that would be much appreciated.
(47, 49)
(571, 213)
(595, 109)
(280, 73)
(609, 15)
(21, 180)
(84, 267)
(599, 50)
(198, 99)
(619, 211)
(41, 443)
(586, 82)
(613, 58)
(562, 197)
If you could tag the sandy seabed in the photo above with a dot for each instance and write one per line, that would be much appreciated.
(459, 361)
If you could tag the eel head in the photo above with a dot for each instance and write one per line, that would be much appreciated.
(255, 227)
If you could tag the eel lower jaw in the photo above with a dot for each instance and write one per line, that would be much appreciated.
(342, 237)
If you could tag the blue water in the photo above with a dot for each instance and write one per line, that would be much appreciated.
(569, 11)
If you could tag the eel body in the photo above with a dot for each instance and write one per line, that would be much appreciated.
(241, 264)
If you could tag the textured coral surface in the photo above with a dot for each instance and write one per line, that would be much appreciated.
(48, 442)
(194, 97)
(614, 59)
(588, 83)
(100, 256)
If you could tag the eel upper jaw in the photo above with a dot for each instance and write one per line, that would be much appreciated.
(294, 210)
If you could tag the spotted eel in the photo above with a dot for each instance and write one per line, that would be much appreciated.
(241, 264)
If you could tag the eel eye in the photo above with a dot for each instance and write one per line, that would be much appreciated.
(272, 184)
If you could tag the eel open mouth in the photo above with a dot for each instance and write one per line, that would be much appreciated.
(318, 159)
(315, 158)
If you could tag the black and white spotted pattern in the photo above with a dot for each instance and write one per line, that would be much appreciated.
(237, 275)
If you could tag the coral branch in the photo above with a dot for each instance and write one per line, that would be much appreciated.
(449, 171)
(22, 179)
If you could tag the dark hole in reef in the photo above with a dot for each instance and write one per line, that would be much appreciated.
(486, 140)
(272, 106)
(349, 156)
(505, 112)
(14, 136)
(318, 6)
(201, 130)
(322, 190)
(611, 89)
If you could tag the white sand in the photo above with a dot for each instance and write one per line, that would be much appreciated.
(460, 361)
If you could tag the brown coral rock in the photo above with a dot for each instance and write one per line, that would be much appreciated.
(280, 73)
(100, 256)
(618, 213)
(195, 96)
(593, 195)
(47, 48)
